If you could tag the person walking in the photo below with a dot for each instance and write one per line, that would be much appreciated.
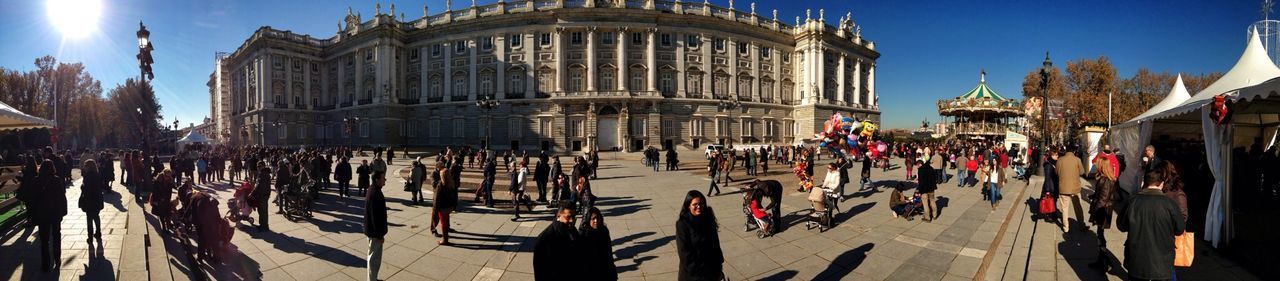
(1101, 207)
(541, 173)
(1152, 220)
(936, 162)
(29, 189)
(865, 180)
(490, 174)
(375, 224)
(559, 190)
(52, 206)
(698, 240)
(763, 160)
(363, 172)
(672, 160)
(91, 189)
(1069, 171)
(843, 165)
(992, 178)
(926, 185)
(391, 154)
(597, 247)
(962, 169)
(416, 175)
(519, 177)
(261, 195)
(445, 201)
(284, 179)
(556, 246)
(750, 163)
(342, 173)
(713, 169)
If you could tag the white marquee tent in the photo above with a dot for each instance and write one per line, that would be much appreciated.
(191, 138)
(12, 119)
(1253, 68)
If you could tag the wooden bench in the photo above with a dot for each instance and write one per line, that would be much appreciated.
(9, 186)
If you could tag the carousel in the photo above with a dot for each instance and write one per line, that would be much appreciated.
(979, 114)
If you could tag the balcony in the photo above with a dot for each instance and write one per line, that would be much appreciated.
(345, 104)
(407, 101)
(299, 106)
(324, 107)
(435, 99)
(744, 98)
(459, 98)
(693, 95)
(788, 102)
(281, 105)
(766, 100)
(542, 95)
(364, 101)
(514, 96)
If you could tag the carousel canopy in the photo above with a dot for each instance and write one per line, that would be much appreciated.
(12, 119)
(982, 91)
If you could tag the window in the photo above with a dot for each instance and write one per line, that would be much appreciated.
(434, 129)
(575, 38)
(364, 129)
(315, 67)
(765, 51)
(368, 55)
(546, 39)
(638, 127)
(435, 50)
(460, 85)
(576, 127)
(458, 126)
(668, 127)
(607, 79)
(695, 127)
(515, 128)
(692, 41)
(275, 62)
(403, 128)
(283, 131)
(413, 54)
(434, 89)
(637, 79)
(413, 129)
(742, 48)
(546, 81)
(544, 127)
(666, 40)
(351, 60)
(460, 47)
(517, 82)
(515, 40)
(486, 84)
(719, 45)
(486, 43)
(576, 83)
(637, 38)
(666, 83)
(607, 38)
(302, 131)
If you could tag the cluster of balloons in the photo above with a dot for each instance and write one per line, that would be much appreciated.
(841, 134)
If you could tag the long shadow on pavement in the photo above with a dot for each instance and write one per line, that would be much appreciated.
(642, 247)
(1079, 248)
(781, 275)
(845, 263)
(295, 245)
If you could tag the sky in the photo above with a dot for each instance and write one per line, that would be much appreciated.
(929, 49)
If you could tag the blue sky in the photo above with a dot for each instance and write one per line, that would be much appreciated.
(930, 49)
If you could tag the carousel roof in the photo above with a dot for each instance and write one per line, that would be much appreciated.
(982, 91)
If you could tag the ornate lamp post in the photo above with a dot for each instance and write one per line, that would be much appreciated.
(1044, 90)
(730, 105)
(487, 104)
(145, 74)
(349, 122)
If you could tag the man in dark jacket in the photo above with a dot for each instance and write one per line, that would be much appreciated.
(557, 191)
(261, 194)
(342, 173)
(843, 165)
(540, 176)
(556, 245)
(283, 180)
(375, 224)
(926, 184)
(672, 160)
(1152, 220)
(490, 173)
(363, 171)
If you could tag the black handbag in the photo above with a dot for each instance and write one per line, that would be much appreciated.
(408, 186)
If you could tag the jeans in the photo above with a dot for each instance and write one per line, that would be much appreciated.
(95, 223)
(714, 178)
(654, 164)
(994, 193)
(961, 177)
(542, 190)
(942, 175)
(375, 258)
(50, 236)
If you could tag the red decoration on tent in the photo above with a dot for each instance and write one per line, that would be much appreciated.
(1220, 110)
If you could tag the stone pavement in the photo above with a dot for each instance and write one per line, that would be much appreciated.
(640, 207)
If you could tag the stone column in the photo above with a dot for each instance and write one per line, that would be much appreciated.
(621, 40)
(755, 71)
(447, 84)
(306, 86)
(592, 69)
(473, 49)
(652, 61)
(821, 74)
(558, 42)
(871, 85)
(681, 66)
(840, 77)
(707, 74)
(530, 43)
(857, 81)
(731, 50)
(500, 63)
(423, 67)
(776, 54)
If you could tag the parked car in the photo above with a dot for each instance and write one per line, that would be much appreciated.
(712, 148)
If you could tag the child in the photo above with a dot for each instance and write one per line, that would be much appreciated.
(762, 217)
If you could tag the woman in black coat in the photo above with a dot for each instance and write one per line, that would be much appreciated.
(91, 198)
(342, 173)
(697, 240)
(51, 208)
(598, 247)
(29, 187)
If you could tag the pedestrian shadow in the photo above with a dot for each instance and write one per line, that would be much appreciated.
(781, 275)
(98, 267)
(941, 202)
(616, 177)
(847, 214)
(642, 247)
(295, 245)
(1079, 248)
(115, 199)
(628, 238)
(234, 265)
(845, 263)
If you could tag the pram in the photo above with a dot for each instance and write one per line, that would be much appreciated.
(197, 221)
(240, 206)
(824, 219)
(762, 223)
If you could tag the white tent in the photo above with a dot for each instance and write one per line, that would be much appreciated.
(1132, 136)
(191, 137)
(12, 119)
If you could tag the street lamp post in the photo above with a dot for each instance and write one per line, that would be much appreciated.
(487, 103)
(144, 66)
(1044, 90)
(730, 105)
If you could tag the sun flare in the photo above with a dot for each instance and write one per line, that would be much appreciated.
(74, 18)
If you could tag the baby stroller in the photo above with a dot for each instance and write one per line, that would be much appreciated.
(757, 218)
(822, 216)
(909, 209)
(240, 206)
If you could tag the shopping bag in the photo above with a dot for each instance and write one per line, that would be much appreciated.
(1185, 249)
(1047, 205)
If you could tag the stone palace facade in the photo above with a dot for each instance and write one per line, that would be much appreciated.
(567, 75)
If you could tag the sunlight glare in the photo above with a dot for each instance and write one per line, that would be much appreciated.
(74, 18)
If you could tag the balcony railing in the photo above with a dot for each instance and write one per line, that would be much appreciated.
(299, 106)
(766, 100)
(280, 105)
(324, 107)
(788, 102)
(744, 98)
(514, 96)
(364, 101)
(345, 104)
(542, 95)
(693, 95)
(459, 98)
(435, 99)
(407, 101)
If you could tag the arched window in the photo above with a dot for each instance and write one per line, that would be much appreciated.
(608, 78)
(720, 86)
(666, 82)
(459, 86)
(577, 79)
(486, 83)
(637, 78)
(434, 89)
(693, 82)
(744, 86)
(546, 81)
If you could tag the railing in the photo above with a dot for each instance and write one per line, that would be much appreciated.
(788, 102)
(280, 105)
(514, 96)
(542, 95)
(744, 98)
(766, 100)
(979, 104)
(345, 104)
(979, 129)
(693, 95)
(459, 98)
(324, 107)
(364, 101)
(435, 99)
(407, 101)
(299, 106)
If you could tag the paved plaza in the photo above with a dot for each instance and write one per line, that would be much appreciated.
(969, 239)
